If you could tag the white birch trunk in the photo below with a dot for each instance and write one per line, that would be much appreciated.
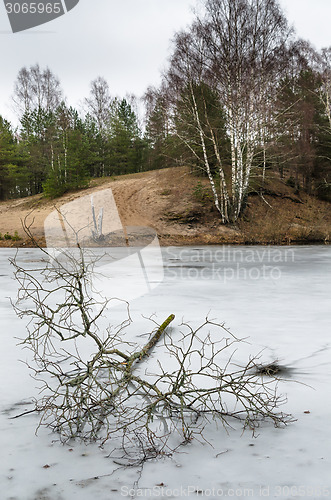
(205, 155)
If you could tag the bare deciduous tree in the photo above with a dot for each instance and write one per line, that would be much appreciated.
(99, 103)
(36, 88)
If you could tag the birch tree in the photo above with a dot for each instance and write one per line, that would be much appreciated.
(325, 93)
(99, 102)
(237, 47)
(36, 88)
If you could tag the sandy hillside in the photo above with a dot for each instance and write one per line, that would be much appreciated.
(153, 199)
(179, 207)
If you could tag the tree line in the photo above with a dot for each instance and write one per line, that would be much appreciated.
(242, 99)
(56, 148)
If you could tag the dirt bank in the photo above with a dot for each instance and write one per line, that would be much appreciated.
(178, 206)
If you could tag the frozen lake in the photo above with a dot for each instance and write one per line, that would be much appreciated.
(278, 297)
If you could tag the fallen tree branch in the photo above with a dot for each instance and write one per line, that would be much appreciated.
(115, 392)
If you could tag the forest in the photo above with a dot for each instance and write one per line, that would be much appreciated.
(242, 100)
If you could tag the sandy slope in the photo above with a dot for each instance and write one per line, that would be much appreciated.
(142, 200)
(170, 202)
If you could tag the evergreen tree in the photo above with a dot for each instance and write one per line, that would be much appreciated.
(14, 175)
(160, 141)
(7, 155)
(125, 146)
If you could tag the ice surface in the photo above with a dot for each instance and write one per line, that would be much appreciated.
(279, 298)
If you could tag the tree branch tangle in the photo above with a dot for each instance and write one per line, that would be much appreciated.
(98, 382)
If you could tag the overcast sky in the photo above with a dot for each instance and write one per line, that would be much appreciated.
(126, 41)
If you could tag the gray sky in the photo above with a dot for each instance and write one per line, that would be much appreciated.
(126, 41)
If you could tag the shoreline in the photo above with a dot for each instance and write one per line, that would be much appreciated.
(177, 241)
